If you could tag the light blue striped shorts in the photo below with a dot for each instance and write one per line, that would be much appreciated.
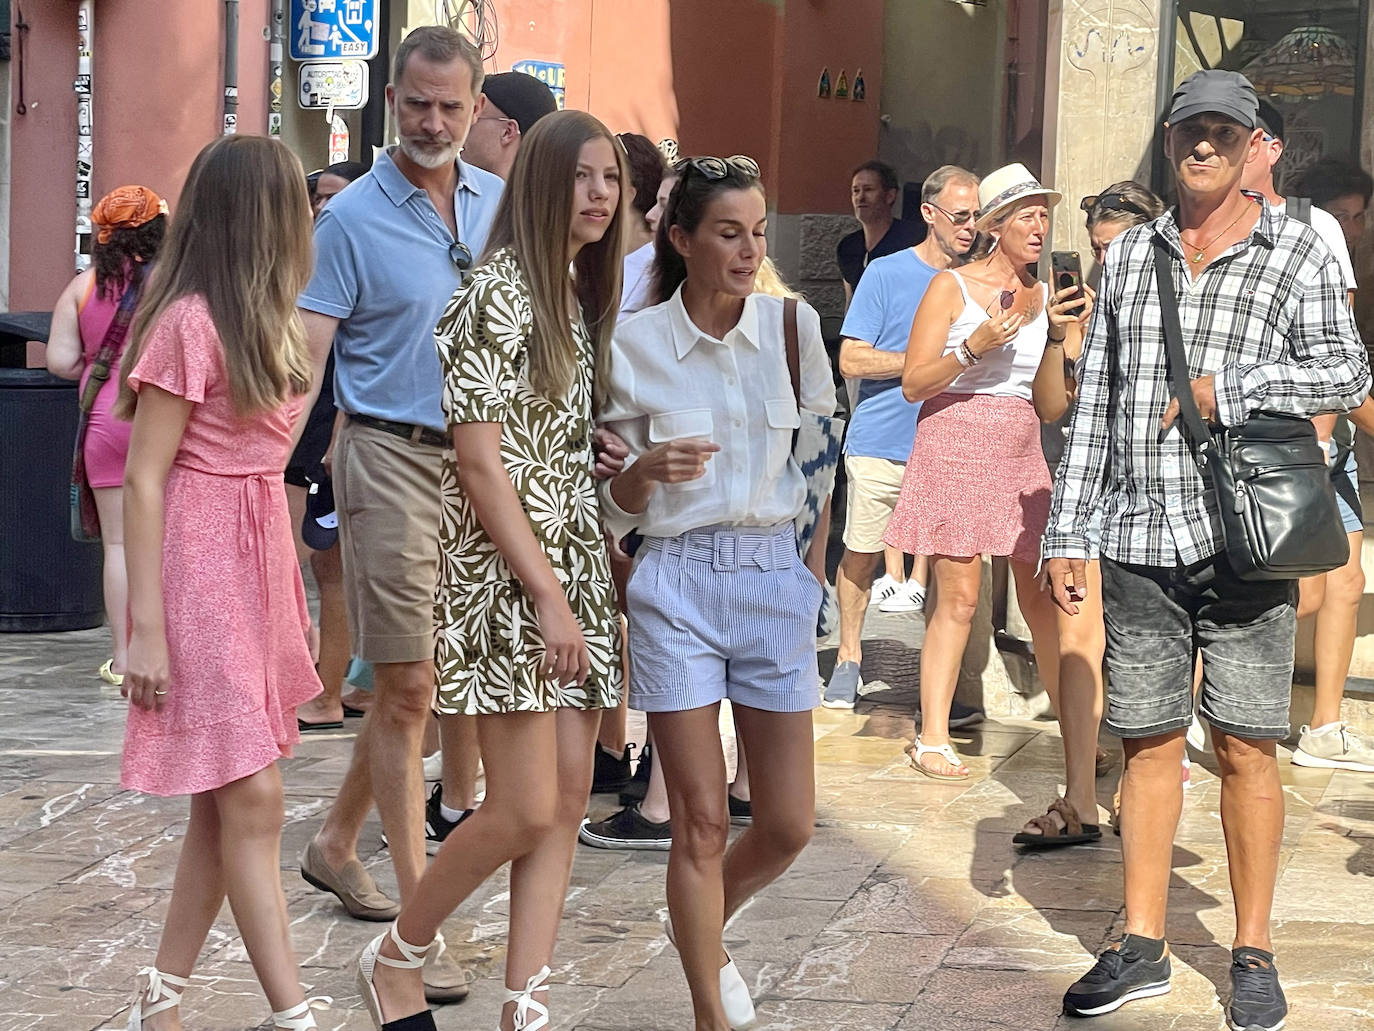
(723, 612)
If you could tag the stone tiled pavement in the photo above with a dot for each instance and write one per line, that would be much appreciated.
(909, 911)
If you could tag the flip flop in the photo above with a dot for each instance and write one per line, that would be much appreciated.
(915, 750)
(1052, 836)
(351, 713)
(305, 728)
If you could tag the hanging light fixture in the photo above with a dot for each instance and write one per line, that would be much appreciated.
(1307, 63)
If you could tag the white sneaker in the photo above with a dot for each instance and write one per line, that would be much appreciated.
(908, 597)
(883, 588)
(434, 767)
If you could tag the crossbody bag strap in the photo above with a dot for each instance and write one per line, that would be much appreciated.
(1198, 434)
(789, 336)
(111, 344)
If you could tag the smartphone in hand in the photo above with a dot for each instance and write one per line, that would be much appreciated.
(1066, 269)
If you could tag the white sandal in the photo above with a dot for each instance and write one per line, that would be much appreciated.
(372, 955)
(161, 995)
(301, 1017)
(525, 1002)
(945, 752)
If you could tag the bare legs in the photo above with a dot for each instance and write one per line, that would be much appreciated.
(1251, 818)
(232, 848)
(461, 754)
(528, 819)
(109, 504)
(707, 884)
(1335, 599)
(1082, 642)
(957, 581)
(327, 567)
(853, 581)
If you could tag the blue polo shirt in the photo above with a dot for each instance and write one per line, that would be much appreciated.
(382, 268)
(883, 424)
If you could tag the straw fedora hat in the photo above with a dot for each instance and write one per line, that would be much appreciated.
(1007, 186)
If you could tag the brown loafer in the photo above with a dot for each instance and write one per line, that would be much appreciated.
(445, 981)
(351, 884)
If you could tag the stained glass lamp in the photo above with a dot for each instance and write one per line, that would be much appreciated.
(1307, 63)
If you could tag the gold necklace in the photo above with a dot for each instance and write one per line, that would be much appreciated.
(1202, 251)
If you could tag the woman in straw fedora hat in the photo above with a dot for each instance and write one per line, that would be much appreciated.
(977, 483)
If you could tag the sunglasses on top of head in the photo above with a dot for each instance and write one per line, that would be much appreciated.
(718, 168)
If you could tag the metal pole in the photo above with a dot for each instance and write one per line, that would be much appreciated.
(85, 26)
(274, 80)
(231, 67)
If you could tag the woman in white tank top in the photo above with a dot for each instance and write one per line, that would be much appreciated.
(976, 483)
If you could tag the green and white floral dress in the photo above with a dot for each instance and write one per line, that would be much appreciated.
(488, 648)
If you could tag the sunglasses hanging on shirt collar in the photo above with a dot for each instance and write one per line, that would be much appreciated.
(461, 257)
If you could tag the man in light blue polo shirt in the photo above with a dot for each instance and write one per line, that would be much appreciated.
(389, 252)
(883, 425)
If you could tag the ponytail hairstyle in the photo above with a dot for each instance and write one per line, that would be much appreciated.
(692, 195)
(534, 219)
(241, 239)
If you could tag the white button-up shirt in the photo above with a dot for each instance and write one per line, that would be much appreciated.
(670, 380)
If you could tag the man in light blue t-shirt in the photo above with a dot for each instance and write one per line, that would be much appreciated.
(883, 424)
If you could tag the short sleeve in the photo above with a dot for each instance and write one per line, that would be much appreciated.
(180, 352)
(864, 319)
(333, 288)
(483, 338)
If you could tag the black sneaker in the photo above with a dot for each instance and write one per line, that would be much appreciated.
(639, 783)
(437, 826)
(627, 829)
(1118, 977)
(1257, 1002)
(741, 811)
(611, 773)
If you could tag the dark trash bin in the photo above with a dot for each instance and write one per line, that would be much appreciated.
(48, 581)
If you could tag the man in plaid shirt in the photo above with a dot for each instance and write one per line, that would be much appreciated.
(1266, 326)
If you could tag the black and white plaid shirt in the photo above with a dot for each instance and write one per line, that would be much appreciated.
(1268, 317)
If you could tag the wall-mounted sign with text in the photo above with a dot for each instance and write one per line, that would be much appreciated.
(338, 84)
(330, 29)
(550, 73)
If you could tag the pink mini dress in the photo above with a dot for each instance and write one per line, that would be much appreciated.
(107, 438)
(235, 605)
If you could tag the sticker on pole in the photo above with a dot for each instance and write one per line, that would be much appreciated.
(337, 84)
(331, 29)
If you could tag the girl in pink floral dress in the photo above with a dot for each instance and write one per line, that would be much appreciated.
(216, 373)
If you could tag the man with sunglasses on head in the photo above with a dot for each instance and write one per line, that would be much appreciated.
(1265, 326)
(389, 252)
(883, 423)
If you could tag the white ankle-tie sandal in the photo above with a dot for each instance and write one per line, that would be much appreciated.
(526, 1005)
(163, 993)
(301, 1017)
(372, 956)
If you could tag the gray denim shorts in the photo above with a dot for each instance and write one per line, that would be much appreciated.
(1159, 618)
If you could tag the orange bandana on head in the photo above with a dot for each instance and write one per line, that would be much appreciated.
(126, 208)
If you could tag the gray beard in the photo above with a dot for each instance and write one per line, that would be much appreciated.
(427, 158)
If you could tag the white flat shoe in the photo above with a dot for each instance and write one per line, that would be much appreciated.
(526, 1006)
(161, 994)
(735, 1000)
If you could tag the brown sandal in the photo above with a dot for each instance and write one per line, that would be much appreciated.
(1051, 835)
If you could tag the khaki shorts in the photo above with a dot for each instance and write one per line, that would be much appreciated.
(386, 490)
(874, 484)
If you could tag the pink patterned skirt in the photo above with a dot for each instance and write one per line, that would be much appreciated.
(976, 482)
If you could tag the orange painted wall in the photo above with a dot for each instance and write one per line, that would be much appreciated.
(158, 84)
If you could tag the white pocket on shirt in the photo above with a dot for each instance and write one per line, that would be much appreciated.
(783, 421)
(695, 423)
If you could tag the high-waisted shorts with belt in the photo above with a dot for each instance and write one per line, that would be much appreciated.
(723, 612)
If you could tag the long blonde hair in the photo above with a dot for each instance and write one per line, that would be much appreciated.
(768, 280)
(534, 219)
(240, 238)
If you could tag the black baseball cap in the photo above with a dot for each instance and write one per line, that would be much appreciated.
(520, 96)
(1270, 120)
(1216, 91)
(320, 525)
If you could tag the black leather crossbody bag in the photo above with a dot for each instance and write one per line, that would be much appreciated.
(1278, 509)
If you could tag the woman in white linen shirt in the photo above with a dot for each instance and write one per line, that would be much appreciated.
(720, 604)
